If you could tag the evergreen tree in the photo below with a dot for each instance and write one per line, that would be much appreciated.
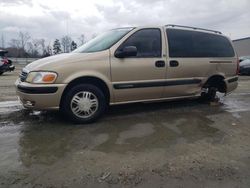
(73, 45)
(57, 47)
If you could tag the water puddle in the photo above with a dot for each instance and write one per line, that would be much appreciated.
(45, 138)
(9, 137)
(157, 130)
(234, 106)
(10, 106)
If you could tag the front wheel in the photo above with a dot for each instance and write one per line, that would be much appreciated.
(84, 103)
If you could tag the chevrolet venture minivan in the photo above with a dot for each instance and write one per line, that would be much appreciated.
(128, 65)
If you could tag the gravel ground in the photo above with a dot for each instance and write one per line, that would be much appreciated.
(170, 144)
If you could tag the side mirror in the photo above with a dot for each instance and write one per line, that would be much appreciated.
(127, 51)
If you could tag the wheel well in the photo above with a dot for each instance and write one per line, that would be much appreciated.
(89, 80)
(218, 82)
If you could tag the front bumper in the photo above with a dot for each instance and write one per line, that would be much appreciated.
(39, 96)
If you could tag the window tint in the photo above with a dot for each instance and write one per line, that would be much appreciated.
(198, 44)
(147, 42)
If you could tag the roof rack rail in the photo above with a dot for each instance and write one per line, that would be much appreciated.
(195, 28)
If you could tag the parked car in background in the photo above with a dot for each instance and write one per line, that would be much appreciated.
(5, 63)
(245, 65)
(242, 58)
(128, 65)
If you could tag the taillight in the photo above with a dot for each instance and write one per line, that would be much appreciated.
(5, 61)
(238, 66)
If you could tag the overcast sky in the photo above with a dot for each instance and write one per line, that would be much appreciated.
(52, 19)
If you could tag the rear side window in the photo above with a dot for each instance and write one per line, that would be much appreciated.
(184, 43)
(147, 42)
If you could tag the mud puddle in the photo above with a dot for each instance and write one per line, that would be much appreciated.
(44, 137)
(128, 139)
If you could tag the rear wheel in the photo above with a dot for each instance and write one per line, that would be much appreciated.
(211, 87)
(84, 103)
(209, 94)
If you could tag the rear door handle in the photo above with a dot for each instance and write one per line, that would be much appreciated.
(174, 63)
(160, 63)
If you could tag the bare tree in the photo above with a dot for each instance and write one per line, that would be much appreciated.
(19, 44)
(15, 45)
(2, 41)
(24, 38)
(66, 43)
(38, 48)
(42, 44)
(32, 49)
(48, 51)
(81, 39)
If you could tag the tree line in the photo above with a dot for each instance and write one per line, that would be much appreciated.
(24, 46)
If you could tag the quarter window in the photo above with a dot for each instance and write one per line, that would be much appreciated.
(147, 42)
(183, 43)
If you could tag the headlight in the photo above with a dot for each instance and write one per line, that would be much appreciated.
(41, 77)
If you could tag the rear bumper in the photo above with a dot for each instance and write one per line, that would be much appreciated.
(231, 83)
(11, 68)
(38, 96)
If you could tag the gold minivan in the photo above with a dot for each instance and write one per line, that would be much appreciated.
(127, 65)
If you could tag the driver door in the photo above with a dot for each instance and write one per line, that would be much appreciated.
(139, 77)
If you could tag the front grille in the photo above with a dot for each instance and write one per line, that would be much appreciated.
(23, 76)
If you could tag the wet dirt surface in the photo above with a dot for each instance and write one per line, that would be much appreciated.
(170, 144)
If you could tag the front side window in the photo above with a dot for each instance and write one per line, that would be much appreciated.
(147, 42)
(184, 43)
(103, 41)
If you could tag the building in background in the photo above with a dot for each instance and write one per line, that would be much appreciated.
(242, 46)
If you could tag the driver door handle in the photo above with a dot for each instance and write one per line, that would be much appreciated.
(160, 63)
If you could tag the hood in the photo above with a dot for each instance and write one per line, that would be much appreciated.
(54, 62)
(49, 61)
(72, 65)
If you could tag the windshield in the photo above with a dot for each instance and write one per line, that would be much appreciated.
(103, 41)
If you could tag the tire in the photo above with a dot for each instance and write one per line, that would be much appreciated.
(1, 73)
(83, 103)
(210, 95)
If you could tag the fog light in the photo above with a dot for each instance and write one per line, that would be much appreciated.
(27, 103)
